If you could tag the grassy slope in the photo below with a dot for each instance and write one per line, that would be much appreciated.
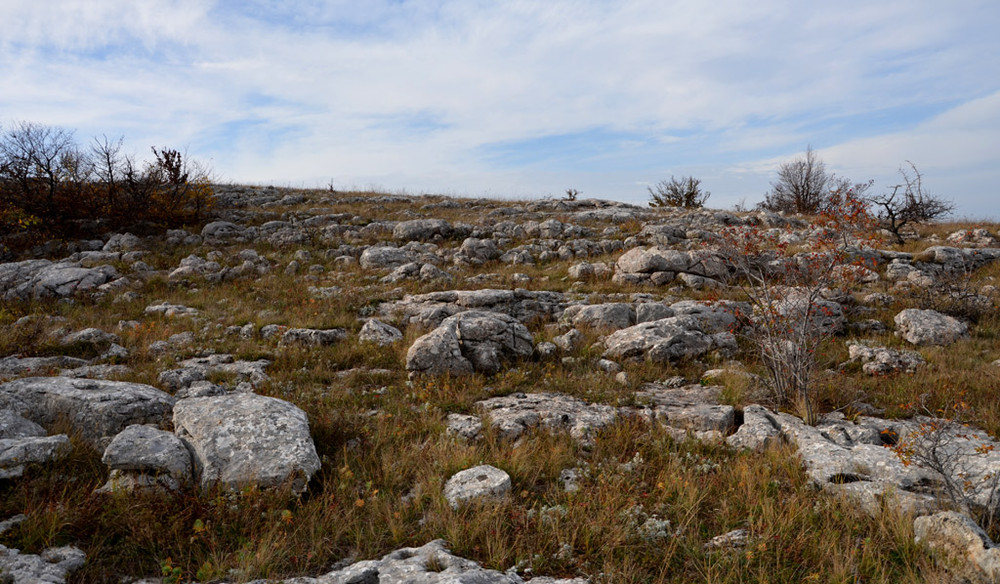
(386, 456)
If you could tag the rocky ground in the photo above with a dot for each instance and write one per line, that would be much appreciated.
(321, 387)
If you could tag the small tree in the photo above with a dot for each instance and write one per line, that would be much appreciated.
(907, 203)
(678, 192)
(790, 318)
(801, 186)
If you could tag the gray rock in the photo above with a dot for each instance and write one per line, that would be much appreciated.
(929, 327)
(380, 257)
(431, 563)
(483, 481)
(312, 337)
(51, 567)
(422, 230)
(960, 545)
(825, 317)
(251, 371)
(758, 431)
(246, 439)
(13, 425)
(380, 333)
(464, 426)
(610, 316)
(429, 310)
(693, 408)
(174, 380)
(878, 360)
(33, 280)
(97, 409)
(512, 415)
(470, 341)
(477, 251)
(170, 310)
(662, 340)
(222, 232)
(650, 311)
(714, 317)
(146, 450)
(17, 366)
(570, 341)
(92, 337)
(15, 453)
(416, 271)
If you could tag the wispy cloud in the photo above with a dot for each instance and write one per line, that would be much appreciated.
(521, 97)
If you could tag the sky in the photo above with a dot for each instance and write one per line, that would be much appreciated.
(517, 99)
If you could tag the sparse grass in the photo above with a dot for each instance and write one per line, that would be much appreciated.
(386, 456)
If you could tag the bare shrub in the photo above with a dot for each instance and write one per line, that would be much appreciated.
(907, 203)
(52, 188)
(791, 317)
(678, 192)
(804, 186)
(959, 455)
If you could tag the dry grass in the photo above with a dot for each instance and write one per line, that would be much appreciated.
(646, 506)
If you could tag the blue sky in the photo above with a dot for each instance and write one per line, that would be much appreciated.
(524, 99)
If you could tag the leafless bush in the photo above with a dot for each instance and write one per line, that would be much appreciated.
(678, 192)
(907, 203)
(804, 186)
(791, 319)
(960, 457)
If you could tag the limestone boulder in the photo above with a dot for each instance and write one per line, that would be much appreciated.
(929, 327)
(480, 482)
(661, 340)
(961, 545)
(244, 439)
(145, 452)
(470, 341)
(96, 409)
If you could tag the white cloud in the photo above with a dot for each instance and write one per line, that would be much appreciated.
(411, 91)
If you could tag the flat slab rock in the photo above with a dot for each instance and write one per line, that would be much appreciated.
(512, 415)
(50, 567)
(246, 439)
(473, 483)
(429, 310)
(852, 457)
(694, 408)
(431, 563)
(97, 409)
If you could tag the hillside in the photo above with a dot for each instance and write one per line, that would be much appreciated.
(562, 391)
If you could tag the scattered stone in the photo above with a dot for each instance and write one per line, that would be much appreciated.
(611, 316)
(380, 333)
(693, 408)
(736, 538)
(960, 545)
(472, 341)
(758, 431)
(170, 310)
(13, 366)
(96, 409)
(878, 360)
(312, 337)
(512, 415)
(660, 341)
(570, 341)
(244, 439)
(929, 327)
(431, 563)
(464, 426)
(143, 455)
(51, 567)
(483, 481)
(16, 453)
